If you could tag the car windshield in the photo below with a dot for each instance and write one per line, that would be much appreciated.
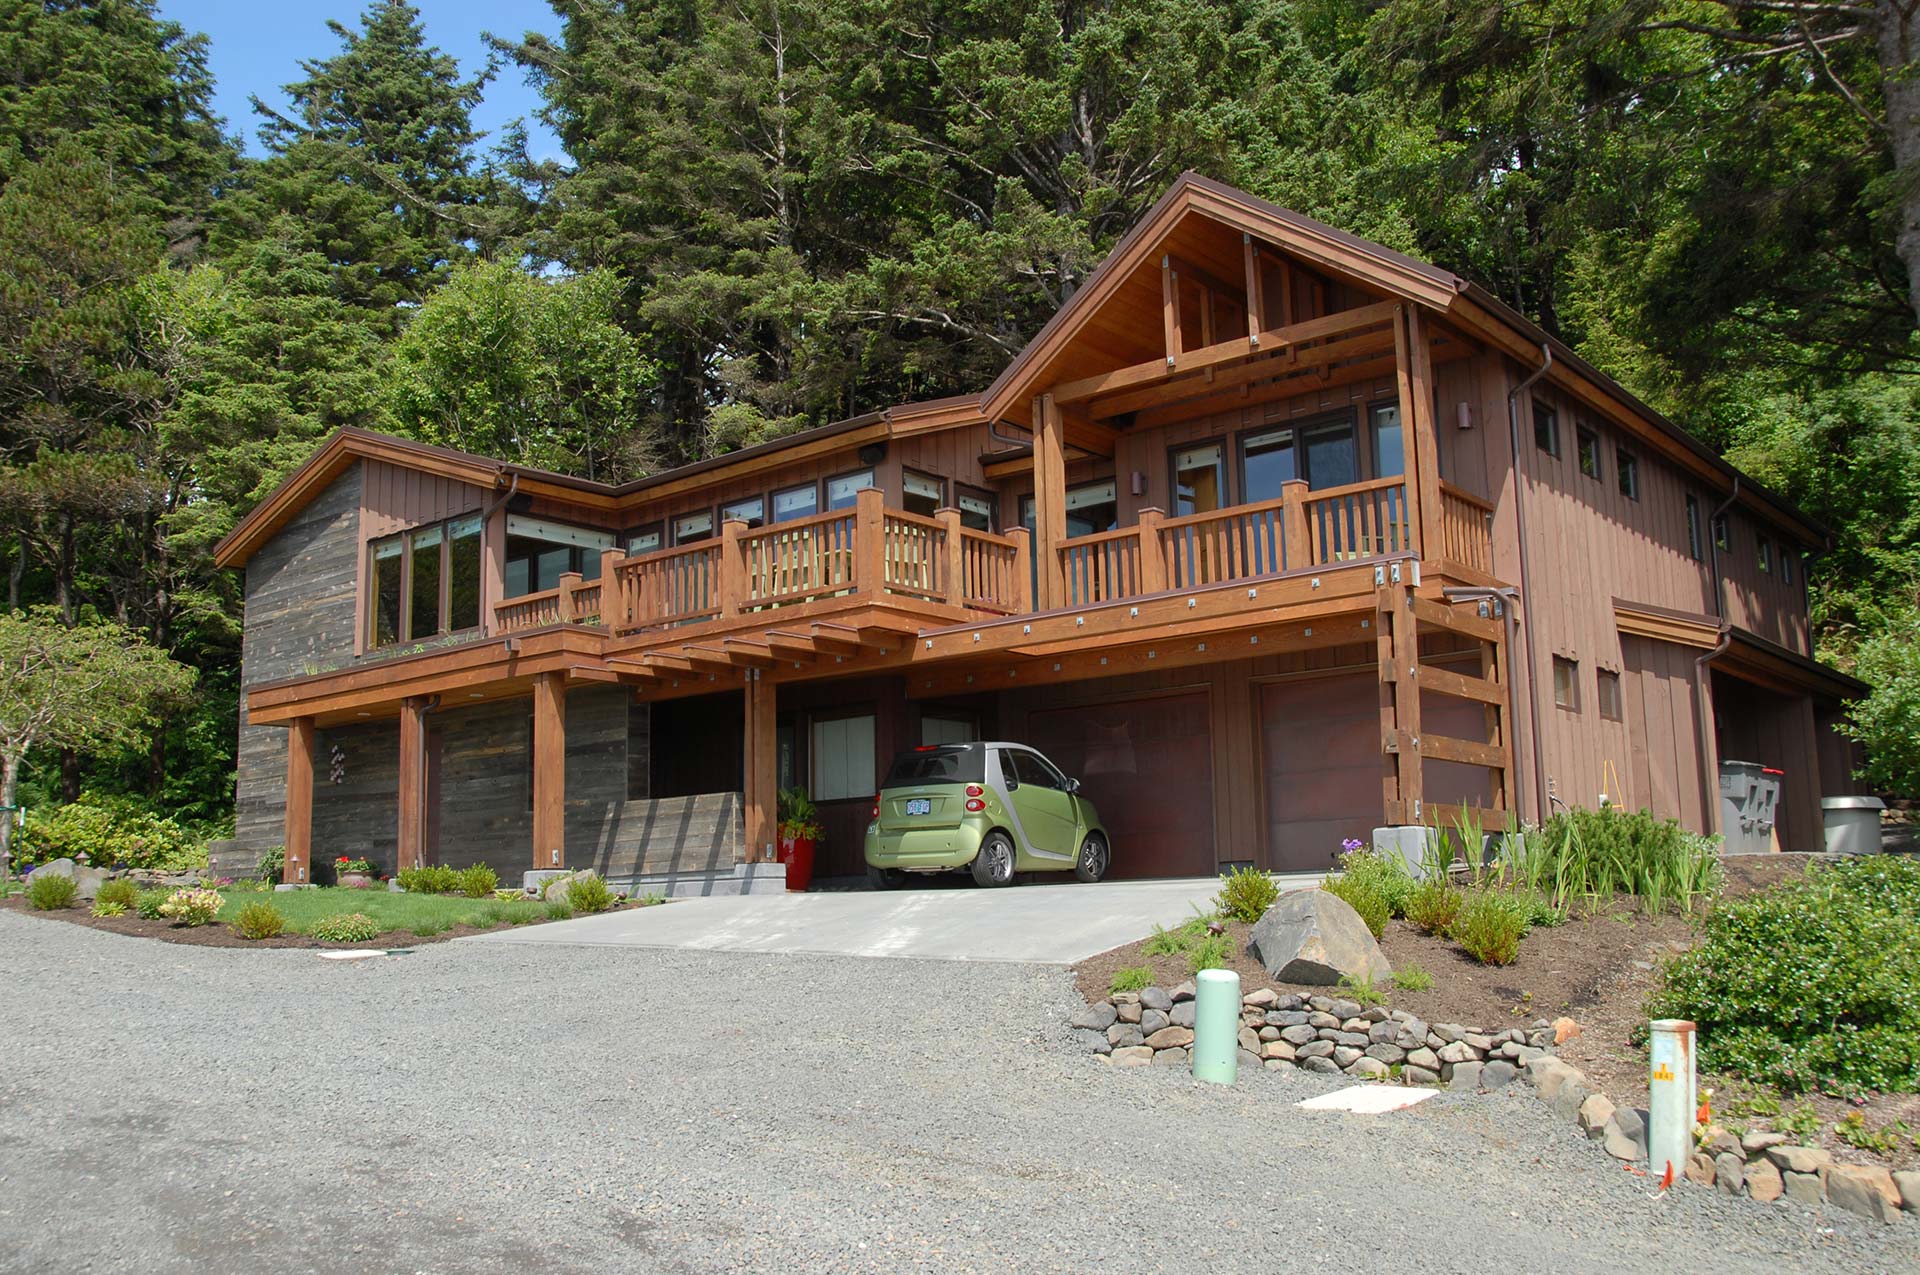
(963, 764)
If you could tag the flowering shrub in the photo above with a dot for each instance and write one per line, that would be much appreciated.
(1377, 886)
(363, 865)
(192, 907)
(345, 927)
(108, 831)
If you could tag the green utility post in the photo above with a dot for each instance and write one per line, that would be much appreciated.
(1216, 1026)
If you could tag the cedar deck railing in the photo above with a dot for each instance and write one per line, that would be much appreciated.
(873, 550)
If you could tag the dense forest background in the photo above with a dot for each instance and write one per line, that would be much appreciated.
(775, 213)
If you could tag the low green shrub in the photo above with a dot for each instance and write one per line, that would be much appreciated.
(651, 899)
(431, 880)
(478, 881)
(1378, 886)
(427, 929)
(109, 831)
(1245, 894)
(1595, 854)
(259, 921)
(107, 907)
(49, 891)
(1432, 907)
(272, 865)
(589, 895)
(1210, 953)
(559, 909)
(1132, 979)
(1812, 984)
(345, 927)
(1362, 893)
(1412, 978)
(192, 907)
(119, 890)
(150, 902)
(1490, 926)
(1362, 988)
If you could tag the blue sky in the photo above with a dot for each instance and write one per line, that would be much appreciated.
(256, 49)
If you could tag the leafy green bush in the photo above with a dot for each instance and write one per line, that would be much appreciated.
(49, 891)
(1595, 854)
(345, 927)
(558, 909)
(259, 921)
(1378, 886)
(1412, 978)
(1245, 894)
(1432, 907)
(1210, 953)
(108, 907)
(589, 894)
(1132, 979)
(150, 902)
(1814, 983)
(110, 831)
(478, 881)
(272, 865)
(1362, 988)
(432, 880)
(119, 890)
(1490, 926)
(192, 907)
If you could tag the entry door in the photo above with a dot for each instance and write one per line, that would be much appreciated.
(1046, 809)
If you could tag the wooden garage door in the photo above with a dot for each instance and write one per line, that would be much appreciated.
(1148, 765)
(1321, 743)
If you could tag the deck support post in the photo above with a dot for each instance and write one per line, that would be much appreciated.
(954, 585)
(1402, 789)
(1295, 531)
(1049, 500)
(732, 584)
(296, 861)
(760, 770)
(563, 604)
(1153, 555)
(550, 770)
(1417, 457)
(613, 602)
(870, 542)
(410, 843)
(1024, 599)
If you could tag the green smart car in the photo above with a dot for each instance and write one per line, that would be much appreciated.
(992, 808)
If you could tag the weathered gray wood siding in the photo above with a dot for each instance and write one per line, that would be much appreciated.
(300, 604)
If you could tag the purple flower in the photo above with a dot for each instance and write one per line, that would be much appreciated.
(1351, 844)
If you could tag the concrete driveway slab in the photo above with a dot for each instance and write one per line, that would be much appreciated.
(1030, 924)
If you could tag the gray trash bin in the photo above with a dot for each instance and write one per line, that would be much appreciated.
(1852, 824)
(1749, 798)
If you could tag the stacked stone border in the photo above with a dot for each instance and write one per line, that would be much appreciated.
(1328, 1035)
(1760, 1165)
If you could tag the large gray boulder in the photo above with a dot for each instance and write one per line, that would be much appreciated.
(1310, 936)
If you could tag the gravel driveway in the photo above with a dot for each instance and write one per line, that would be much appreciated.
(479, 1108)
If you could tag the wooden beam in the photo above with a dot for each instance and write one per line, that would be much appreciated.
(1049, 500)
(582, 673)
(747, 652)
(760, 770)
(1446, 682)
(410, 843)
(706, 659)
(1224, 352)
(1256, 289)
(1255, 369)
(1469, 751)
(297, 861)
(1426, 474)
(833, 639)
(1416, 457)
(669, 662)
(1170, 309)
(550, 771)
(796, 647)
(1443, 616)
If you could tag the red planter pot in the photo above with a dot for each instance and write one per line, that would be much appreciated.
(797, 854)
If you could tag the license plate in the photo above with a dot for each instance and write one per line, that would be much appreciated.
(919, 805)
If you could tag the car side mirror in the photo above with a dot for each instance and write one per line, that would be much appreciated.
(1073, 785)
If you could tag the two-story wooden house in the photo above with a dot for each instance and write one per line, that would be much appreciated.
(1271, 536)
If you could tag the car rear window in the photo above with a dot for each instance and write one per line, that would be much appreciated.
(939, 765)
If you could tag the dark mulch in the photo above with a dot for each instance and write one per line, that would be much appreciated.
(220, 934)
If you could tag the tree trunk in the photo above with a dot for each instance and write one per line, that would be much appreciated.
(9, 779)
(1899, 24)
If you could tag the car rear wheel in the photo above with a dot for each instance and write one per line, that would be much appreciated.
(994, 864)
(1094, 859)
(885, 878)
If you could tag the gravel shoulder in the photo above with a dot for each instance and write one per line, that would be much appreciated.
(479, 1108)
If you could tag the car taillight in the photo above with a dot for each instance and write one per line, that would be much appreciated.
(976, 805)
(875, 816)
(975, 790)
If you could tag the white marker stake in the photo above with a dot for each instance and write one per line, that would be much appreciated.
(1674, 1098)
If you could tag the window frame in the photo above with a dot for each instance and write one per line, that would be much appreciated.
(1763, 554)
(773, 502)
(657, 527)
(939, 502)
(1545, 415)
(815, 721)
(1696, 532)
(403, 625)
(1787, 554)
(962, 491)
(1583, 435)
(712, 532)
(1722, 532)
(1246, 436)
(721, 512)
(826, 487)
(1374, 412)
(1616, 711)
(1571, 703)
(1220, 441)
(1626, 468)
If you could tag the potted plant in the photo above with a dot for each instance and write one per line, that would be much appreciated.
(354, 874)
(799, 834)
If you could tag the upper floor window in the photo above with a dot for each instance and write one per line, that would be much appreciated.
(425, 582)
(1722, 534)
(1267, 460)
(1764, 549)
(976, 508)
(1091, 507)
(1587, 443)
(796, 502)
(1566, 683)
(1629, 470)
(1787, 556)
(1607, 696)
(693, 528)
(1325, 454)
(921, 493)
(648, 539)
(1546, 429)
(842, 491)
(540, 552)
(1696, 542)
(1389, 453)
(1199, 479)
(752, 511)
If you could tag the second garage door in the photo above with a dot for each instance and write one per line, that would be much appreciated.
(1148, 765)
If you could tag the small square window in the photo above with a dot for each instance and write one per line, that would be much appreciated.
(796, 502)
(1629, 467)
(1566, 683)
(1607, 694)
(922, 493)
(844, 490)
(1764, 547)
(1722, 535)
(1696, 548)
(1546, 429)
(752, 511)
(1588, 444)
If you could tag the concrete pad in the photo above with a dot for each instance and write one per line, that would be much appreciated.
(1051, 924)
(355, 954)
(1369, 1100)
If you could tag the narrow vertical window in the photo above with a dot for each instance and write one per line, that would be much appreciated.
(1764, 547)
(387, 559)
(1629, 468)
(1607, 694)
(1389, 454)
(463, 573)
(1696, 544)
(1566, 683)
(1588, 445)
(1722, 535)
(423, 595)
(1199, 480)
(1546, 429)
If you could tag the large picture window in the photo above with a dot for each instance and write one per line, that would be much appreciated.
(540, 552)
(425, 582)
(842, 758)
(1324, 454)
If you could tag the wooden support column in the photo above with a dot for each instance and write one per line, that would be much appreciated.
(1256, 291)
(1417, 456)
(733, 568)
(613, 601)
(1023, 596)
(760, 770)
(1425, 433)
(953, 587)
(1170, 308)
(870, 542)
(412, 839)
(550, 770)
(297, 861)
(1049, 500)
(1153, 555)
(569, 581)
(1296, 533)
(1399, 647)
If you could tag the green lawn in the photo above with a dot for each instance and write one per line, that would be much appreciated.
(423, 915)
